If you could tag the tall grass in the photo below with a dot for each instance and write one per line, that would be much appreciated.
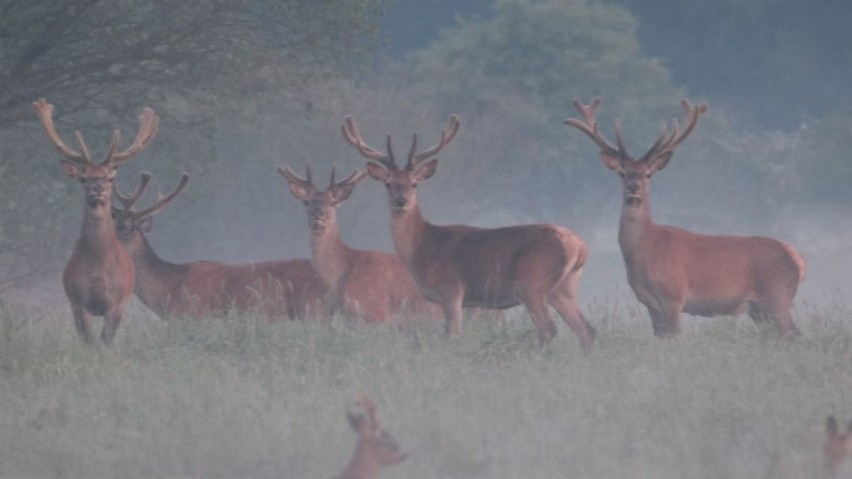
(242, 398)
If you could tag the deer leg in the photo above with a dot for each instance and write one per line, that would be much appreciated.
(83, 323)
(564, 301)
(779, 313)
(111, 322)
(540, 314)
(452, 306)
(755, 313)
(665, 321)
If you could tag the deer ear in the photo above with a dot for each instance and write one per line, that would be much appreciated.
(145, 225)
(660, 162)
(297, 190)
(342, 192)
(612, 163)
(71, 169)
(425, 171)
(377, 172)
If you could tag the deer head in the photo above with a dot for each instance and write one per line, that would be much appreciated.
(635, 173)
(838, 445)
(400, 183)
(130, 224)
(97, 179)
(376, 448)
(321, 206)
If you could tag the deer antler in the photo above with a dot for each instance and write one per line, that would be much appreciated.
(589, 126)
(162, 201)
(44, 111)
(149, 123)
(350, 133)
(663, 145)
(447, 135)
(128, 201)
(307, 183)
(353, 177)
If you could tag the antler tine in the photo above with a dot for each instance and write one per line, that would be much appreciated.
(292, 177)
(350, 133)
(333, 172)
(163, 201)
(44, 111)
(148, 127)
(677, 136)
(447, 136)
(353, 177)
(309, 179)
(128, 201)
(589, 126)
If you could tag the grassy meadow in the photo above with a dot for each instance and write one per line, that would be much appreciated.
(242, 398)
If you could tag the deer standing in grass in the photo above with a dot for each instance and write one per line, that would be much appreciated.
(371, 284)
(99, 276)
(838, 446)
(463, 266)
(672, 270)
(276, 288)
(375, 448)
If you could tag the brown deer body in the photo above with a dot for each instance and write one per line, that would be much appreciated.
(371, 284)
(375, 448)
(99, 277)
(276, 289)
(462, 266)
(838, 446)
(672, 270)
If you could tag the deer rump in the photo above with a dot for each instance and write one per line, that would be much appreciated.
(712, 275)
(489, 262)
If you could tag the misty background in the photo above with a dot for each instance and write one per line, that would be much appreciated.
(242, 87)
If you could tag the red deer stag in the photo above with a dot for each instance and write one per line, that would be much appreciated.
(375, 448)
(274, 288)
(837, 447)
(462, 266)
(99, 277)
(370, 283)
(672, 270)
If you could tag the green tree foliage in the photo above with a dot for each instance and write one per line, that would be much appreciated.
(511, 75)
(90, 54)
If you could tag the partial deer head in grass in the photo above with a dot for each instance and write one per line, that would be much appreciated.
(375, 448)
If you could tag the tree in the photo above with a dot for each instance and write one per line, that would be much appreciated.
(203, 66)
(511, 75)
(94, 54)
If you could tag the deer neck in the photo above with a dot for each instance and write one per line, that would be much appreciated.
(97, 235)
(331, 255)
(635, 228)
(360, 466)
(407, 228)
(156, 279)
